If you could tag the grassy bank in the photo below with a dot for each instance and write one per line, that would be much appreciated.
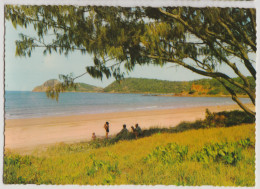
(213, 156)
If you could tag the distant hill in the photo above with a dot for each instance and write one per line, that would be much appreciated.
(195, 87)
(80, 87)
(45, 85)
(140, 85)
(154, 86)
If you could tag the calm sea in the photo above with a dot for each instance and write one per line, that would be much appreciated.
(30, 104)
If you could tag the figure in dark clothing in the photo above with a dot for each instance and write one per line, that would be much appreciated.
(123, 133)
(106, 126)
(138, 129)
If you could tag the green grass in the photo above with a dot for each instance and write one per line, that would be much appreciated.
(162, 158)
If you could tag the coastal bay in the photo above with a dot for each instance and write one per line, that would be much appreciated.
(25, 135)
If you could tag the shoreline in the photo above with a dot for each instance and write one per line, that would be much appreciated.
(25, 135)
(153, 94)
(114, 112)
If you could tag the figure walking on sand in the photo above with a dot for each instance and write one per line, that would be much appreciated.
(106, 126)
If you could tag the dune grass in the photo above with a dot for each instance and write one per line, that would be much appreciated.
(213, 156)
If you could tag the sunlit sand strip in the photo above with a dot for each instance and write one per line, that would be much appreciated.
(24, 135)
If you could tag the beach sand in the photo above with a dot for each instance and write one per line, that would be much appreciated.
(25, 135)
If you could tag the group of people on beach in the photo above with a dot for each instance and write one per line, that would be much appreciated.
(137, 131)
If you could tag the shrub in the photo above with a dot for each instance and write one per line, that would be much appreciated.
(12, 164)
(209, 118)
(228, 153)
(108, 169)
(227, 118)
(236, 117)
(214, 92)
(169, 154)
(218, 153)
(245, 143)
(183, 126)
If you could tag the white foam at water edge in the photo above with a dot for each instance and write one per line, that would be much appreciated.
(147, 107)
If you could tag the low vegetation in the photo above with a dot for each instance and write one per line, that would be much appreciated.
(83, 87)
(205, 152)
(199, 87)
(195, 87)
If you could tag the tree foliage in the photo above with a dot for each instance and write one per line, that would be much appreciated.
(199, 39)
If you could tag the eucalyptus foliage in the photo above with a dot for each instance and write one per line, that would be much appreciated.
(199, 39)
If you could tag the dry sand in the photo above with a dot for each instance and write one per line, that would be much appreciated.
(24, 135)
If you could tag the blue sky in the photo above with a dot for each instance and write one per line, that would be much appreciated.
(23, 74)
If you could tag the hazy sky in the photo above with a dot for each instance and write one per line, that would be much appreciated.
(23, 74)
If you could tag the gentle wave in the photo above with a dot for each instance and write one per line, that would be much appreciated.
(148, 107)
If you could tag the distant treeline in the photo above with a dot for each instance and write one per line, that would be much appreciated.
(195, 87)
(155, 86)
(83, 87)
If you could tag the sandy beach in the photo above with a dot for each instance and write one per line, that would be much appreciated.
(24, 135)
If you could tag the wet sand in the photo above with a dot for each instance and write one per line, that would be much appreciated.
(24, 135)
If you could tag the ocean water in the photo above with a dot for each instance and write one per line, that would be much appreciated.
(27, 104)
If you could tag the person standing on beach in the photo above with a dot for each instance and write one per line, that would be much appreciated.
(106, 126)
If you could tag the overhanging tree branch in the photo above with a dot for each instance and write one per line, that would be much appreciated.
(236, 99)
(145, 35)
(201, 72)
(241, 49)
